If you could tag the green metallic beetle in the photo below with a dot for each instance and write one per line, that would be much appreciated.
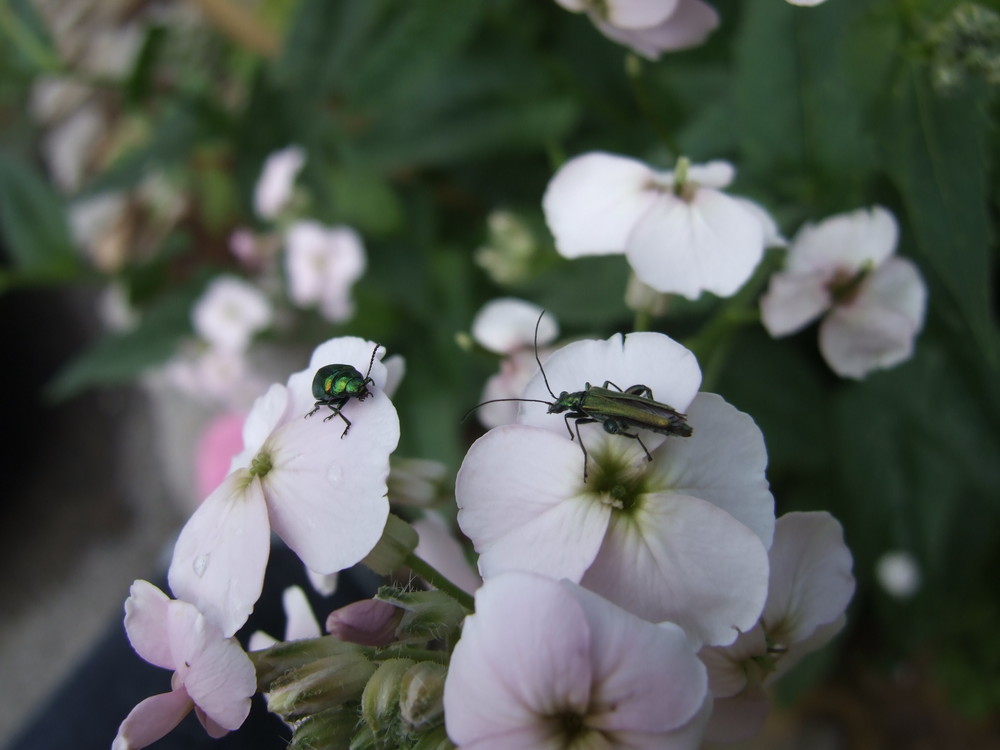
(334, 385)
(619, 412)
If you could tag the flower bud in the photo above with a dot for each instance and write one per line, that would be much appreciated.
(319, 685)
(421, 697)
(397, 542)
(274, 663)
(331, 728)
(428, 614)
(368, 623)
(380, 700)
(435, 739)
(418, 482)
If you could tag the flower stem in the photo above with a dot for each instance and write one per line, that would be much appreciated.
(438, 581)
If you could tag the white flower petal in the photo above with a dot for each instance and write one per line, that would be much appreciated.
(629, 695)
(152, 719)
(722, 462)
(230, 312)
(643, 358)
(811, 581)
(518, 498)
(638, 14)
(326, 491)
(322, 264)
(717, 174)
(793, 301)
(688, 26)
(845, 242)
(740, 717)
(300, 622)
(525, 654)
(267, 412)
(711, 243)
(220, 555)
(442, 551)
(685, 560)
(507, 324)
(727, 674)
(145, 623)
(878, 329)
(594, 200)
(274, 187)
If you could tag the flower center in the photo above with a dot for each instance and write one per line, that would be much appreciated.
(260, 465)
(844, 286)
(615, 479)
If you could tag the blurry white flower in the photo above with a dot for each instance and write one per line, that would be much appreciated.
(678, 230)
(300, 622)
(844, 267)
(507, 324)
(810, 586)
(322, 264)
(230, 312)
(546, 664)
(650, 27)
(681, 538)
(898, 573)
(274, 187)
(69, 146)
(442, 551)
(805, 3)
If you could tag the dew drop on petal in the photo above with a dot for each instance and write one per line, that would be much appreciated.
(200, 564)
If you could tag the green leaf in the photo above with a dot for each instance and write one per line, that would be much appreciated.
(937, 155)
(33, 224)
(365, 200)
(119, 358)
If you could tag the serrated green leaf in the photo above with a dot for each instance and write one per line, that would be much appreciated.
(33, 223)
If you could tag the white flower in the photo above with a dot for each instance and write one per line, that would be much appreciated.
(300, 622)
(230, 312)
(321, 490)
(650, 27)
(507, 326)
(681, 538)
(810, 587)
(274, 187)
(678, 230)
(844, 267)
(322, 264)
(898, 573)
(546, 664)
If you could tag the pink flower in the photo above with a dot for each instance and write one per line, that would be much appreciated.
(221, 439)
(547, 664)
(212, 674)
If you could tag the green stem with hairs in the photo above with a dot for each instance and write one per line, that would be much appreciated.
(426, 571)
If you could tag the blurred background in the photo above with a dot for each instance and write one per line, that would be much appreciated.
(134, 136)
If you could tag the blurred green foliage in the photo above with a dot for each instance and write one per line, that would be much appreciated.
(420, 118)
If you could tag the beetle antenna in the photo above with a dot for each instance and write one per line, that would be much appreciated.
(495, 400)
(372, 361)
(542, 369)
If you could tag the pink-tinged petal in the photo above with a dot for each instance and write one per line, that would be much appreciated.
(343, 350)
(878, 329)
(219, 442)
(152, 719)
(740, 717)
(326, 491)
(442, 551)
(820, 637)
(687, 737)
(146, 624)
(220, 555)
(811, 580)
(638, 14)
(217, 674)
(643, 358)
(507, 324)
(594, 200)
(267, 412)
(523, 656)
(710, 243)
(630, 694)
(215, 731)
(300, 622)
(685, 560)
(845, 242)
(518, 494)
(688, 26)
(793, 301)
(727, 674)
(722, 462)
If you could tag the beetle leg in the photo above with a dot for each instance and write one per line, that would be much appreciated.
(643, 391)
(338, 413)
(576, 424)
(315, 408)
(617, 388)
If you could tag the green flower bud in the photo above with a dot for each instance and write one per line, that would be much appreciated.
(421, 697)
(435, 739)
(283, 658)
(380, 700)
(332, 728)
(319, 686)
(429, 615)
(397, 542)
